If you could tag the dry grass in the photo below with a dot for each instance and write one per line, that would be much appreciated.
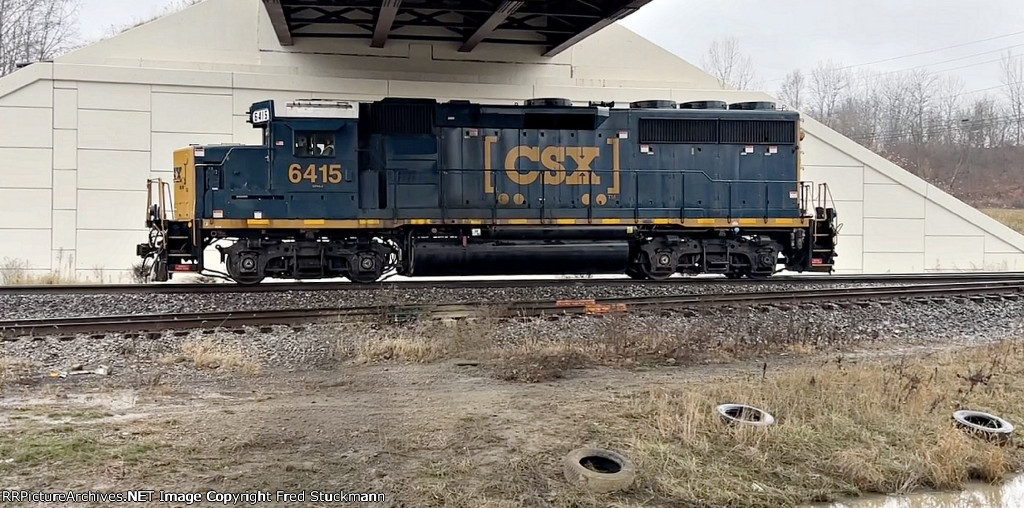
(537, 363)
(14, 368)
(843, 430)
(612, 341)
(17, 272)
(882, 426)
(424, 342)
(1014, 218)
(210, 354)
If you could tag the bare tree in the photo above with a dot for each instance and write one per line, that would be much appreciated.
(33, 30)
(857, 115)
(732, 68)
(829, 85)
(171, 8)
(1012, 78)
(792, 90)
(921, 86)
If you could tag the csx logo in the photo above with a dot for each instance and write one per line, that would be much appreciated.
(554, 159)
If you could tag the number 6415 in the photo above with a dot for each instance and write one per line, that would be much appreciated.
(326, 174)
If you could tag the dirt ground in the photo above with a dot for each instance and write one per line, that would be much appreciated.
(416, 433)
(444, 433)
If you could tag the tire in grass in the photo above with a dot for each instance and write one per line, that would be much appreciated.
(983, 424)
(599, 470)
(744, 414)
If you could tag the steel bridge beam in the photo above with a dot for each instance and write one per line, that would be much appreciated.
(496, 18)
(279, 22)
(385, 18)
(606, 20)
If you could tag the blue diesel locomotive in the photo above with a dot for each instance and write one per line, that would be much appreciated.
(417, 187)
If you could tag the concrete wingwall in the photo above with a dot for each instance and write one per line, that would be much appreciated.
(86, 130)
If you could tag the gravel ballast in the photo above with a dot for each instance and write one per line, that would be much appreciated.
(746, 330)
(76, 305)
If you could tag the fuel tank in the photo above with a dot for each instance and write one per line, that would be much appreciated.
(448, 257)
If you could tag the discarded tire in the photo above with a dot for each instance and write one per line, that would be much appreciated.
(984, 424)
(747, 415)
(599, 470)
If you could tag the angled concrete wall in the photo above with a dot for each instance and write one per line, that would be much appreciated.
(94, 124)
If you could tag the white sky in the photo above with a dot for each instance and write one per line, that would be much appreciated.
(783, 34)
(96, 17)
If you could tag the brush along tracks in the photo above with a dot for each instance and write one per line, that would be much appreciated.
(277, 287)
(830, 298)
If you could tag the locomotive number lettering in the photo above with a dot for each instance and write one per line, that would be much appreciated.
(553, 159)
(261, 116)
(324, 174)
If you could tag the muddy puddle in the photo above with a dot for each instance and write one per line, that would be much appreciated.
(1007, 495)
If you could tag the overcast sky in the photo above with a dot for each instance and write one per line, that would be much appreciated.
(784, 34)
(96, 17)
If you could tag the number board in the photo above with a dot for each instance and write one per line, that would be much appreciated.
(318, 176)
(261, 116)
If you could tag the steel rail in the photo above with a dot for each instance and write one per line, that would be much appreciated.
(219, 288)
(152, 322)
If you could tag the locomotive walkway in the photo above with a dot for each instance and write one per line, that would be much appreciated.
(1005, 287)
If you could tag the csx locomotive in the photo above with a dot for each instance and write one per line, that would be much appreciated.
(419, 187)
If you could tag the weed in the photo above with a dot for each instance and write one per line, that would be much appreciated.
(139, 272)
(539, 364)
(613, 341)
(14, 271)
(425, 341)
(18, 272)
(210, 354)
(14, 368)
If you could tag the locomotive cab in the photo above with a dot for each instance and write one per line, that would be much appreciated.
(305, 167)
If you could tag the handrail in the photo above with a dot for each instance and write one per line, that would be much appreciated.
(163, 192)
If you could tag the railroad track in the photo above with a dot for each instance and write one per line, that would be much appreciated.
(178, 288)
(996, 289)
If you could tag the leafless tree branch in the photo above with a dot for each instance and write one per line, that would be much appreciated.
(725, 61)
(33, 30)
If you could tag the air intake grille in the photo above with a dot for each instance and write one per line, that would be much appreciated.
(399, 118)
(667, 130)
(766, 132)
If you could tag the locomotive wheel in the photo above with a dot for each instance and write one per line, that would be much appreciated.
(253, 273)
(247, 280)
(646, 267)
(657, 275)
(634, 274)
(733, 275)
(370, 266)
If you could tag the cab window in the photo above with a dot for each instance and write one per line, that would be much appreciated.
(314, 144)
